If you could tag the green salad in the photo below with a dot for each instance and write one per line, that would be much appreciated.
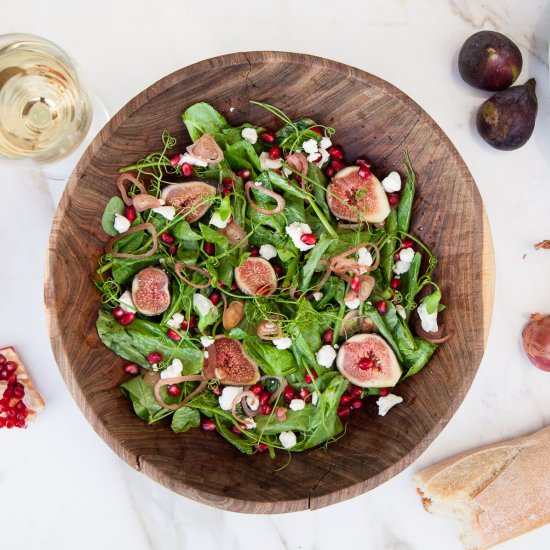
(259, 286)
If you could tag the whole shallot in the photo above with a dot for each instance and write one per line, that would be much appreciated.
(536, 341)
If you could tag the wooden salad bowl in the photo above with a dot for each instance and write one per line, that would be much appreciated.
(373, 119)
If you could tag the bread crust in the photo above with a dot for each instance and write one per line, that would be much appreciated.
(503, 487)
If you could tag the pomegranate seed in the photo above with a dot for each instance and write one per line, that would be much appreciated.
(309, 378)
(396, 256)
(127, 318)
(256, 389)
(265, 409)
(289, 393)
(328, 335)
(174, 161)
(19, 423)
(317, 130)
(356, 404)
(186, 170)
(20, 406)
(215, 298)
(2, 359)
(226, 191)
(167, 238)
(173, 390)
(343, 412)
(130, 213)
(11, 413)
(184, 325)
(384, 392)
(209, 249)
(172, 250)
(329, 171)
(336, 152)
(297, 295)
(208, 425)
(345, 399)
(354, 283)
(362, 163)
(192, 322)
(12, 381)
(254, 251)
(228, 183)
(304, 393)
(264, 397)
(382, 307)
(365, 363)
(407, 243)
(19, 393)
(118, 312)
(278, 268)
(355, 391)
(11, 366)
(261, 447)
(236, 429)
(173, 335)
(234, 286)
(20, 416)
(275, 152)
(2, 421)
(245, 174)
(154, 357)
(9, 424)
(131, 368)
(308, 238)
(393, 199)
(216, 390)
(395, 283)
(364, 173)
(268, 137)
(337, 165)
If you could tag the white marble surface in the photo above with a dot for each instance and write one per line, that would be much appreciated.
(61, 487)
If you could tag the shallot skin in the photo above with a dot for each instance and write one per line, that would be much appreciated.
(536, 341)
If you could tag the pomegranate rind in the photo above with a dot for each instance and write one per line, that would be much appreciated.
(353, 198)
(193, 198)
(151, 291)
(233, 366)
(256, 277)
(387, 371)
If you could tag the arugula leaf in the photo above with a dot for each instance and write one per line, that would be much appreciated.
(242, 155)
(124, 269)
(213, 236)
(313, 258)
(404, 209)
(182, 232)
(184, 419)
(388, 250)
(143, 400)
(418, 358)
(135, 341)
(208, 316)
(272, 361)
(114, 206)
(410, 285)
(244, 445)
(201, 118)
(315, 174)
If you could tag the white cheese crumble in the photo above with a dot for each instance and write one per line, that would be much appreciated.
(228, 396)
(253, 402)
(326, 356)
(310, 146)
(188, 158)
(173, 370)
(249, 423)
(401, 267)
(176, 320)
(325, 142)
(317, 296)
(168, 212)
(352, 303)
(314, 398)
(126, 303)
(386, 402)
(295, 231)
(206, 341)
(250, 135)
(269, 164)
(428, 320)
(392, 182)
(406, 255)
(287, 439)
(297, 404)
(203, 305)
(324, 157)
(282, 343)
(364, 257)
(268, 251)
(217, 221)
(121, 223)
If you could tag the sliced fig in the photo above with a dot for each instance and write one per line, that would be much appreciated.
(367, 361)
(151, 291)
(354, 198)
(192, 197)
(231, 364)
(256, 277)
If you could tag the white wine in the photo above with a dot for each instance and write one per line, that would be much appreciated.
(44, 113)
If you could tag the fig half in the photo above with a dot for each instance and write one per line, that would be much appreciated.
(354, 198)
(366, 360)
(193, 198)
(256, 277)
(151, 291)
(228, 362)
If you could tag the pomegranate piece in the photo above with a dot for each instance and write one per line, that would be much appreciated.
(268, 137)
(208, 425)
(131, 368)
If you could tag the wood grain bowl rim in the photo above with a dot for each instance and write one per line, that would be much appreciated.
(138, 462)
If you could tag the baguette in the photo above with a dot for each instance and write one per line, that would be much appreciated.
(497, 492)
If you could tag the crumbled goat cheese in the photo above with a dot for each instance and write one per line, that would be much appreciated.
(188, 158)
(406, 255)
(392, 182)
(253, 402)
(203, 305)
(228, 396)
(310, 146)
(297, 404)
(353, 303)
(173, 370)
(428, 320)
(168, 212)
(386, 402)
(121, 223)
(126, 303)
(176, 320)
(314, 398)
(364, 257)
(206, 341)
(282, 343)
(269, 164)
(401, 267)
(287, 439)
(217, 221)
(324, 157)
(325, 142)
(295, 231)
(326, 356)
(249, 423)
(317, 296)
(250, 135)
(268, 251)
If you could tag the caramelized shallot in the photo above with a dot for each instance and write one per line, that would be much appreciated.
(177, 380)
(141, 227)
(281, 203)
(121, 181)
(182, 265)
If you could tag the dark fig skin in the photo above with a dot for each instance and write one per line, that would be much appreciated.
(490, 61)
(507, 119)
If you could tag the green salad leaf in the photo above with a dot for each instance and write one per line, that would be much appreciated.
(114, 206)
